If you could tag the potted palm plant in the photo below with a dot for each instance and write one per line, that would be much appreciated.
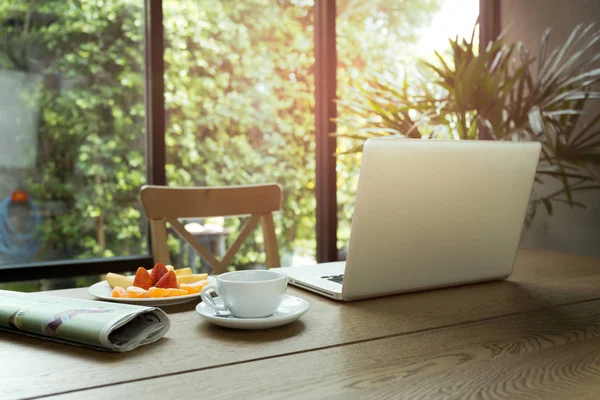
(492, 93)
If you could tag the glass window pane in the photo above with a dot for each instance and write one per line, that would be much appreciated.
(381, 42)
(240, 110)
(72, 137)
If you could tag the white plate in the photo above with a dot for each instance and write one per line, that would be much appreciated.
(291, 309)
(103, 291)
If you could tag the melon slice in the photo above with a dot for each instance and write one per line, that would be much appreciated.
(191, 278)
(183, 271)
(115, 280)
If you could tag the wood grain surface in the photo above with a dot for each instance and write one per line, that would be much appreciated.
(550, 354)
(541, 280)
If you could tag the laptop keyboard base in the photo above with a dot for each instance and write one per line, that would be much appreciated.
(334, 278)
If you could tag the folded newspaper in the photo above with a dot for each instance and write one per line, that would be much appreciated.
(95, 324)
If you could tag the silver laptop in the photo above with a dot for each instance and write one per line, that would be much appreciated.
(430, 214)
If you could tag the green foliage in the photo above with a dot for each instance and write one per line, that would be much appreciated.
(91, 134)
(240, 104)
(25, 286)
(239, 98)
(373, 36)
(492, 91)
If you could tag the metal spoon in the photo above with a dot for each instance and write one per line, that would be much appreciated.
(217, 312)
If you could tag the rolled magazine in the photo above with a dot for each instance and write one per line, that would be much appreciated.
(95, 324)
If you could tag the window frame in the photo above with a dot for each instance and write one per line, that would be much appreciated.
(325, 144)
(325, 114)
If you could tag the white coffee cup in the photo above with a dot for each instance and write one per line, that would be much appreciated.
(247, 294)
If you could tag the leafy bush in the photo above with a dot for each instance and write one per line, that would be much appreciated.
(239, 98)
(493, 92)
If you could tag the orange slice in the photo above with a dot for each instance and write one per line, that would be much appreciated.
(118, 291)
(158, 292)
(193, 288)
(177, 292)
(134, 292)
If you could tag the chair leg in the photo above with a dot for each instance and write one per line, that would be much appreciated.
(181, 255)
(192, 257)
(271, 246)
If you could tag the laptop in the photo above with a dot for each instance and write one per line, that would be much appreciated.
(429, 214)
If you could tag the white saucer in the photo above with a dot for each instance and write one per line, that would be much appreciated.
(291, 309)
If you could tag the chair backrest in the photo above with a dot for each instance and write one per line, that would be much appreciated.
(167, 204)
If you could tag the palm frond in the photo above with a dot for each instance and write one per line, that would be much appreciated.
(493, 89)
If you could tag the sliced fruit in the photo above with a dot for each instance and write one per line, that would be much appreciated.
(142, 279)
(169, 267)
(177, 292)
(193, 288)
(134, 292)
(183, 271)
(191, 278)
(158, 272)
(117, 280)
(118, 291)
(158, 292)
(169, 280)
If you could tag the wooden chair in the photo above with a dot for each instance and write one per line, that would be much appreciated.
(167, 204)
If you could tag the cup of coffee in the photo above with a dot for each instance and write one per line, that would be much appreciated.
(247, 294)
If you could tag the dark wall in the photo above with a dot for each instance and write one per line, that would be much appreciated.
(569, 230)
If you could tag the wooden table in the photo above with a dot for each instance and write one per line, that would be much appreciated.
(535, 335)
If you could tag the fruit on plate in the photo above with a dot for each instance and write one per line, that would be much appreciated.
(169, 280)
(166, 292)
(191, 278)
(173, 292)
(142, 279)
(158, 272)
(158, 292)
(116, 280)
(169, 268)
(134, 292)
(193, 288)
(118, 291)
(158, 282)
(183, 271)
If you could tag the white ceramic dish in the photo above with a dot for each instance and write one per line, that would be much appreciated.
(103, 291)
(291, 309)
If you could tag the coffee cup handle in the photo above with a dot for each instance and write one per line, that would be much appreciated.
(208, 300)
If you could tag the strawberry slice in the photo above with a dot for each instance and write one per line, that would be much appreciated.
(158, 272)
(169, 280)
(142, 279)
